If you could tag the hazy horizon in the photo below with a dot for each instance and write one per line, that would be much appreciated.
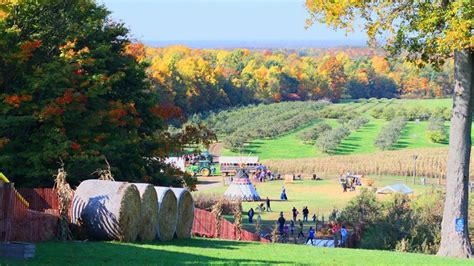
(227, 24)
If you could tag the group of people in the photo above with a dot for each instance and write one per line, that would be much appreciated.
(305, 211)
(349, 181)
(262, 173)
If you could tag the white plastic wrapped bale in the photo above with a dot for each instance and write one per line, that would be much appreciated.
(149, 212)
(185, 212)
(107, 210)
(167, 213)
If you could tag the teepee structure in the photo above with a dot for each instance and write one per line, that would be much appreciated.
(241, 188)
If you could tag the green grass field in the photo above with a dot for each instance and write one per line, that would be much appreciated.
(320, 197)
(289, 146)
(209, 251)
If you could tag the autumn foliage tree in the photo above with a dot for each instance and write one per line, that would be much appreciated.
(73, 87)
(425, 33)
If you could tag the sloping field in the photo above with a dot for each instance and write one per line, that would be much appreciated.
(290, 146)
(208, 251)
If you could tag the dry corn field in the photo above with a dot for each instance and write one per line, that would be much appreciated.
(430, 162)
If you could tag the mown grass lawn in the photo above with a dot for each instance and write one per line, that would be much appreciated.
(320, 197)
(209, 251)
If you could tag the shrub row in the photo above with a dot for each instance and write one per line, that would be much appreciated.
(413, 113)
(312, 134)
(332, 138)
(389, 134)
(357, 123)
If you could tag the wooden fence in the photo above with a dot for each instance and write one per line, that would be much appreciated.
(40, 199)
(20, 223)
(36, 219)
(205, 225)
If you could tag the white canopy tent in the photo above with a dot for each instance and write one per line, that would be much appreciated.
(397, 188)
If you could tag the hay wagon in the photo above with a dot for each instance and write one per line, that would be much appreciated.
(230, 165)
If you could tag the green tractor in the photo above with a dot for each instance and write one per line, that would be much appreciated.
(205, 166)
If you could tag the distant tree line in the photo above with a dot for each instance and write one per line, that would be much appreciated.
(196, 80)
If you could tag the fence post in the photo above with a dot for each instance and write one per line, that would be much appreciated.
(9, 209)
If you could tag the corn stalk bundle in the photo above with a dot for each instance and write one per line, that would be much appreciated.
(237, 212)
(65, 193)
(149, 212)
(105, 174)
(217, 211)
(107, 210)
(167, 213)
(185, 216)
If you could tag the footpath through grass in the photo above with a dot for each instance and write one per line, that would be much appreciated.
(208, 251)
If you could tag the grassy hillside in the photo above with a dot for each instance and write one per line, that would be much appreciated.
(208, 251)
(289, 145)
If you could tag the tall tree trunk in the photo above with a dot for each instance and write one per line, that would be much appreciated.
(454, 237)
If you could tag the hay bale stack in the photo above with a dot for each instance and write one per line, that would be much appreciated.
(167, 213)
(149, 212)
(185, 212)
(107, 210)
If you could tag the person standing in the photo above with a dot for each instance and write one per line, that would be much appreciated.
(344, 235)
(310, 235)
(335, 232)
(343, 182)
(259, 219)
(295, 213)
(292, 227)
(300, 230)
(283, 194)
(268, 205)
(305, 213)
(250, 213)
(314, 218)
(281, 223)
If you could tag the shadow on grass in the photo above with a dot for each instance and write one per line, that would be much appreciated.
(405, 136)
(184, 251)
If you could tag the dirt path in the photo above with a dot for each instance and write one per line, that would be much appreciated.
(215, 149)
(209, 182)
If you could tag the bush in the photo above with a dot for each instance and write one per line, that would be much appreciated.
(436, 132)
(362, 209)
(390, 134)
(395, 225)
(328, 142)
(389, 113)
(425, 235)
(399, 224)
(235, 142)
(313, 134)
(377, 112)
(357, 123)
(438, 136)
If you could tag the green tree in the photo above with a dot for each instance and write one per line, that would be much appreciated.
(71, 89)
(425, 32)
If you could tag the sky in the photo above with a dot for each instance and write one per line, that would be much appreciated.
(246, 21)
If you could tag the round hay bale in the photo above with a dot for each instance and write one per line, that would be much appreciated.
(107, 210)
(149, 212)
(167, 213)
(185, 218)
